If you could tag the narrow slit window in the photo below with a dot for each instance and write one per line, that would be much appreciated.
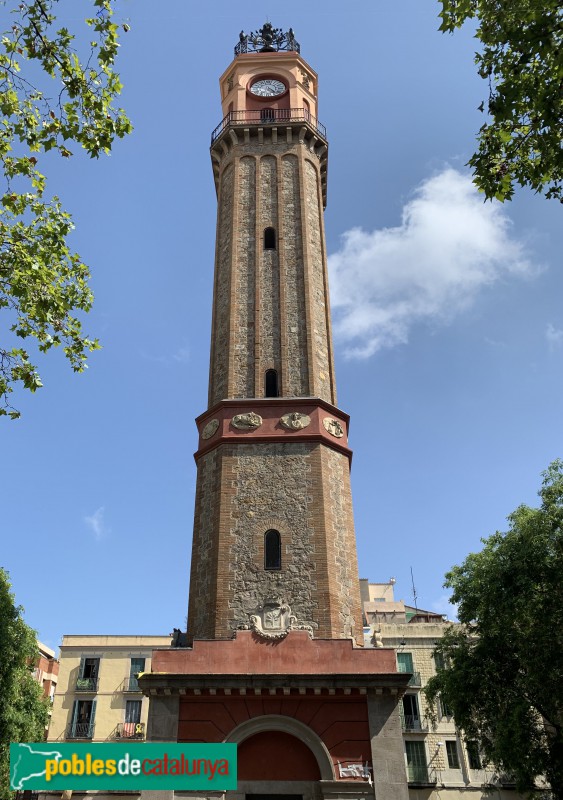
(269, 239)
(272, 388)
(272, 550)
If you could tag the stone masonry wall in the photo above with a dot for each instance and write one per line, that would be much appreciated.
(219, 367)
(300, 489)
(203, 577)
(270, 306)
(293, 281)
(321, 337)
(272, 488)
(269, 303)
(245, 280)
(341, 545)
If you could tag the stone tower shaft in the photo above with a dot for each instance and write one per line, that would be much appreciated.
(274, 545)
(271, 304)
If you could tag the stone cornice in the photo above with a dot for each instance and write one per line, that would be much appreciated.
(154, 683)
(279, 137)
(271, 430)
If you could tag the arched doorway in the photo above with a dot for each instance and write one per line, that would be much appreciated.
(276, 756)
(275, 748)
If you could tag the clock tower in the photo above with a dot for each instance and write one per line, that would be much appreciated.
(273, 507)
(273, 658)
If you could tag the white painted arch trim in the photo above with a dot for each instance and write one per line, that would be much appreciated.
(278, 722)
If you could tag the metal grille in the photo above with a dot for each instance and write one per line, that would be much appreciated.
(80, 730)
(268, 116)
(130, 730)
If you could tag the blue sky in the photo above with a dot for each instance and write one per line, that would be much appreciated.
(447, 315)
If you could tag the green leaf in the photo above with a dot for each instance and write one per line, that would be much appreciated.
(43, 283)
(520, 42)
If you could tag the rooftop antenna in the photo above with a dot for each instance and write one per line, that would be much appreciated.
(414, 593)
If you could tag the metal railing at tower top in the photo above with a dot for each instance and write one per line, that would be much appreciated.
(268, 116)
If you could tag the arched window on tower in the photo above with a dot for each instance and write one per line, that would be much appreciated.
(272, 550)
(271, 388)
(269, 238)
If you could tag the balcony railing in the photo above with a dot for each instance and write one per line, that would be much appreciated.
(419, 774)
(130, 684)
(415, 679)
(80, 730)
(411, 722)
(87, 684)
(130, 730)
(268, 116)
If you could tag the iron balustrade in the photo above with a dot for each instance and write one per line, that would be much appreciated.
(505, 780)
(419, 774)
(415, 679)
(268, 116)
(130, 684)
(87, 684)
(130, 730)
(412, 722)
(80, 730)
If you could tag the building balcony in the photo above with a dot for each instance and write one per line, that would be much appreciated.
(415, 680)
(86, 684)
(130, 684)
(502, 779)
(80, 730)
(268, 117)
(419, 776)
(130, 730)
(412, 723)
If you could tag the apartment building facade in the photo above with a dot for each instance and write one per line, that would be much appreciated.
(98, 697)
(440, 764)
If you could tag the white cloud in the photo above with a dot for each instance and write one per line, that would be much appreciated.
(554, 336)
(97, 524)
(449, 246)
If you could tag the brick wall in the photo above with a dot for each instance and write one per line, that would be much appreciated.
(303, 491)
(270, 306)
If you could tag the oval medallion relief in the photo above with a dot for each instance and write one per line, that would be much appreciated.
(334, 427)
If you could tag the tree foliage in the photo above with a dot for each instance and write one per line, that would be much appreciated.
(23, 710)
(522, 60)
(503, 665)
(55, 91)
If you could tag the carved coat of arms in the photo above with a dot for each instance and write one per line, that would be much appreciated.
(274, 620)
(334, 427)
(210, 429)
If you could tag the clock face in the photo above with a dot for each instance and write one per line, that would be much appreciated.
(267, 87)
